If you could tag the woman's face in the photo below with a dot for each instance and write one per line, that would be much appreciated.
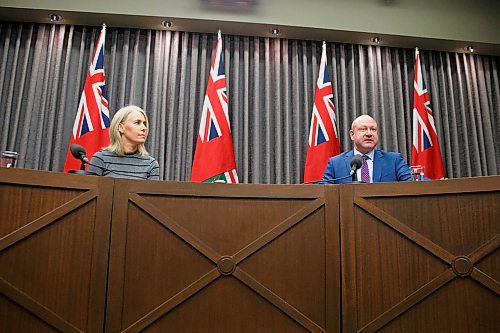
(134, 129)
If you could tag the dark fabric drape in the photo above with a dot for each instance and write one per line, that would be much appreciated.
(271, 84)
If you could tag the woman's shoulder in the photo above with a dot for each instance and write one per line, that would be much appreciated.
(150, 158)
(105, 153)
(145, 157)
(99, 154)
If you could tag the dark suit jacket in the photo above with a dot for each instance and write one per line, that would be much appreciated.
(387, 167)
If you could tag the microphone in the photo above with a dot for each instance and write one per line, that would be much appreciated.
(79, 153)
(356, 163)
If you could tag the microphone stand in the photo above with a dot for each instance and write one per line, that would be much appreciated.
(355, 179)
(82, 171)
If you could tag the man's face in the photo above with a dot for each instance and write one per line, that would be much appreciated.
(364, 134)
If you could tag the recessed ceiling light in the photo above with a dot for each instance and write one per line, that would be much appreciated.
(167, 24)
(275, 31)
(55, 17)
(469, 49)
(376, 40)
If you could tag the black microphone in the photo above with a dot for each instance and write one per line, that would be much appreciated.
(79, 153)
(356, 163)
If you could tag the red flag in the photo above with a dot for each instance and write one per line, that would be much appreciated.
(91, 127)
(425, 148)
(214, 154)
(323, 136)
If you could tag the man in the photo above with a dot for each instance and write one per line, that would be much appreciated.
(378, 165)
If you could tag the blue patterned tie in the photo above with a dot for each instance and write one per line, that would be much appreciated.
(365, 172)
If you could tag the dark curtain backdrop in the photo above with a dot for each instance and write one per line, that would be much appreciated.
(271, 86)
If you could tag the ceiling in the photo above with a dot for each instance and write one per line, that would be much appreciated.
(243, 28)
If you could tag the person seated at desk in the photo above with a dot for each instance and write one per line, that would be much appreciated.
(126, 156)
(378, 165)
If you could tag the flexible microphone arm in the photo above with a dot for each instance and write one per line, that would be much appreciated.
(356, 163)
(329, 181)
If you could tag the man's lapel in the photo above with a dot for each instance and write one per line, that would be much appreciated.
(347, 160)
(378, 163)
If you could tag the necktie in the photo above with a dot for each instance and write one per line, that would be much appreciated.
(365, 172)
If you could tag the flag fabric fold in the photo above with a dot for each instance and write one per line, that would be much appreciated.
(323, 140)
(214, 153)
(91, 127)
(425, 150)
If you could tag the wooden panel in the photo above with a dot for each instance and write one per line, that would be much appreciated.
(16, 319)
(421, 256)
(223, 258)
(54, 236)
(248, 258)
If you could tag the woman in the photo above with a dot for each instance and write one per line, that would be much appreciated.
(126, 156)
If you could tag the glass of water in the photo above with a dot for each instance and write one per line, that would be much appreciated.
(8, 159)
(417, 173)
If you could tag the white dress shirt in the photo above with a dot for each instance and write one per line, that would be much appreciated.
(369, 161)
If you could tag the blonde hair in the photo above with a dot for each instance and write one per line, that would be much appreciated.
(115, 138)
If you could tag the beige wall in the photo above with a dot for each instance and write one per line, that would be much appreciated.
(460, 20)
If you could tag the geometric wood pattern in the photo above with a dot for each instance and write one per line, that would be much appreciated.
(54, 241)
(223, 258)
(411, 256)
(93, 254)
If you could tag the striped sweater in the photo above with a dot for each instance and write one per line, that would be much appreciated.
(132, 166)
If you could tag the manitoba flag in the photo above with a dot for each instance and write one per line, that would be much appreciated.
(323, 136)
(91, 127)
(425, 148)
(214, 154)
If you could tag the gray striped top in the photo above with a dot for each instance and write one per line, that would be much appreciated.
(132, 166)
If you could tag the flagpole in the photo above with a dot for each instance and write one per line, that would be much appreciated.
(214, 159)
(428, 156)
(91, 141)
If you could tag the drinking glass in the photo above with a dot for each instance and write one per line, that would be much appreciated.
(417, 173)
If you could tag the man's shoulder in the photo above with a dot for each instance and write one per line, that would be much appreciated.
(339, 160)
(342, 155)
(388, 154)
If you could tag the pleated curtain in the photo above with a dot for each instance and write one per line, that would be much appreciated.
(270, 85)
